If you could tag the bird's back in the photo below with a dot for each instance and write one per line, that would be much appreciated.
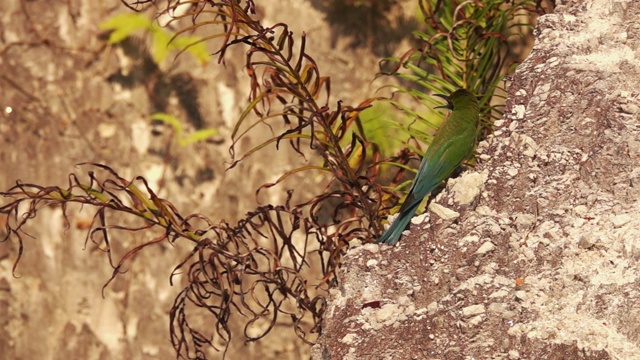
(453, 143)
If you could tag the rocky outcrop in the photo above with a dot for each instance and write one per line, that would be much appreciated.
(534, 253)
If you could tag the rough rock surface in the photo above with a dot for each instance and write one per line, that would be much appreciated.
(537, 255)
(63, 111)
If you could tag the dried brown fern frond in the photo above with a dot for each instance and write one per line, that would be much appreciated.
(250, 268)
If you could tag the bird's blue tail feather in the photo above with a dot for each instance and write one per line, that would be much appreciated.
(392, 235)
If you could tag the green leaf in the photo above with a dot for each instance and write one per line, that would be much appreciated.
(194, 137)
(197, 136)
(160, 45)
(194, 45)
(125, 25)
(169, 120)
(163, 42)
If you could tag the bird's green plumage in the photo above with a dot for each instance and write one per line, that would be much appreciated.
(453, 143)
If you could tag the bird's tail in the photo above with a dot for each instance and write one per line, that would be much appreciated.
(392, 235)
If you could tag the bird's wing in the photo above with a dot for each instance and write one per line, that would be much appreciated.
(438, 165)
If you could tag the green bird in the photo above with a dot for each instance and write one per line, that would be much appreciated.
(453, 143)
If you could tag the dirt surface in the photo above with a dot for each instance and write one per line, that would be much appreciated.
(60, 109)
(534, 253)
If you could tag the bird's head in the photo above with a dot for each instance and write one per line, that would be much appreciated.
(457, 98)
